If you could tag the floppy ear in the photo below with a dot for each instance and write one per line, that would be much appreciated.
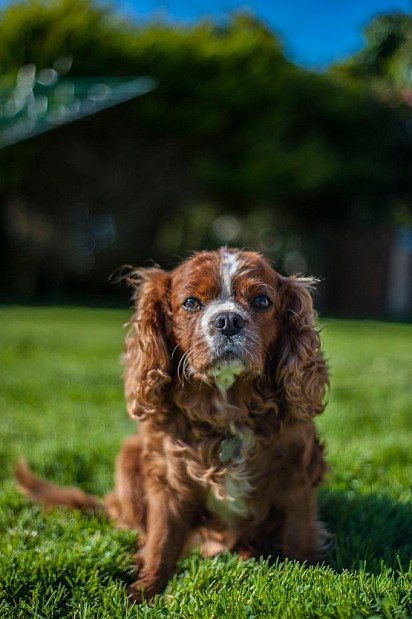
(301, 373)
(147, 358)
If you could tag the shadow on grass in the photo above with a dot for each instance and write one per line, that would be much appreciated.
(367, 530)
(370, 533)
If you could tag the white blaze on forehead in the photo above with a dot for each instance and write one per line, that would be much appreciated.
(228, 266)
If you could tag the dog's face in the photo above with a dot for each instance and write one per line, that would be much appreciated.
(224, 307)
(219, 317)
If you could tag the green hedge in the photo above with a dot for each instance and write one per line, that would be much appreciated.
(262, 131)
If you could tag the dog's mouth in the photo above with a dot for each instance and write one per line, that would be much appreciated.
(228, 359)
(228, 354)
(226, 350)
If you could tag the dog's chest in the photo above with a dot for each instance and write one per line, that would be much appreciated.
(228, 499)
(227, 495)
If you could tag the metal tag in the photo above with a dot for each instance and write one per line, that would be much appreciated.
(230, 449)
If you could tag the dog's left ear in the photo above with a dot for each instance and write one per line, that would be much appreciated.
(300, 373)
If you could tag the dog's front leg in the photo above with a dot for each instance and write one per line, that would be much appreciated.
(169, 523)
(303, 536)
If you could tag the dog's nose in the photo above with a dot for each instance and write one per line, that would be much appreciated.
(229, 323)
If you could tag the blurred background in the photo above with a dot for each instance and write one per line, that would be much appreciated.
(139, 131)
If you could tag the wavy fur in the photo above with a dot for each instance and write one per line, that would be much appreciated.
(171, 482)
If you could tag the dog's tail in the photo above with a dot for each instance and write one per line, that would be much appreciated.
(50, 495)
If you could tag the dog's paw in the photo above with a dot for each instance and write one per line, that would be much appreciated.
(144, 589)
(245, 553)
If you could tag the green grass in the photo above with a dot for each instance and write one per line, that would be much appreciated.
(61, 405)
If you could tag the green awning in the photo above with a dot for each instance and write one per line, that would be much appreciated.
(41, 101)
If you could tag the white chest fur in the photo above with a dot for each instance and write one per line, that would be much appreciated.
(227, 498)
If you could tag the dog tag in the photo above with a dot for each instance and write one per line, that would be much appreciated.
(230, 449)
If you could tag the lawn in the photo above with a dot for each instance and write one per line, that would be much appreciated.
(61, 404)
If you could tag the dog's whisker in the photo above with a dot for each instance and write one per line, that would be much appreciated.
(174, 350)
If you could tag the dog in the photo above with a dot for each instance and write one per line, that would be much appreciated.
(225, 373)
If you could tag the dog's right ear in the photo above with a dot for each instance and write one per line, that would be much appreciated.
(147, 356)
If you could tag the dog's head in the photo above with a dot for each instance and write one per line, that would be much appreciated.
(223, 307)
(220, 317)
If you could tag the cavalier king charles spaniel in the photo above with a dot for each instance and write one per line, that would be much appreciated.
(224, 371)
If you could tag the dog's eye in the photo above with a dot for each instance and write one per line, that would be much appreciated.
(261, 302)
(192, 304)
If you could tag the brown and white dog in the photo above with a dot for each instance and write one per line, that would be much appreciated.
(224, 370)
